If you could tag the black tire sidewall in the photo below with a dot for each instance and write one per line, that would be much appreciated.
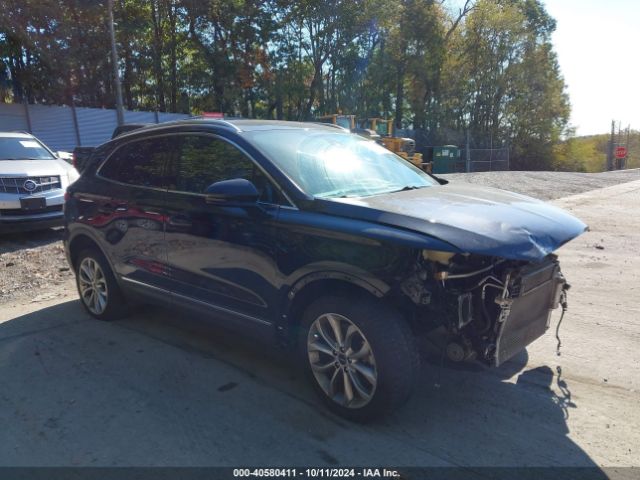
(392, 343)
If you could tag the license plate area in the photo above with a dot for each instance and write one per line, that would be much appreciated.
(33, 203)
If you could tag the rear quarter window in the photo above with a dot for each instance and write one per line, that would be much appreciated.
(141, 163)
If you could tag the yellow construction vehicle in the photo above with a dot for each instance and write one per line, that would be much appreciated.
(349, 122)
(345, 121)
(381, 126)
(404, 147)
(381, 131)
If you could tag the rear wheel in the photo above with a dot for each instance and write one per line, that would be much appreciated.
(360, 355)
(99, 292)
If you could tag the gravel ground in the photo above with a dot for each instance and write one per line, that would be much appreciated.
(31, 263)
(546, 185)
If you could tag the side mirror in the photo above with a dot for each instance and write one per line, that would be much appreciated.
(236, 190)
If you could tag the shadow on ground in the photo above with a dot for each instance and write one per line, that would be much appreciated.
(162, 388)
(11, 242)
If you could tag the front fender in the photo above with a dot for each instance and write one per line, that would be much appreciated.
(323, 271)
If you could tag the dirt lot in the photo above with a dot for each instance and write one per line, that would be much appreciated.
(159, 390)
(32, 265)
(547, 185)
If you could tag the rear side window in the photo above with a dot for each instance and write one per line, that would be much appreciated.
(205, 160)
(142, 163)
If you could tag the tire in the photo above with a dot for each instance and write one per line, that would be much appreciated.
(379, 358)
(94, 275)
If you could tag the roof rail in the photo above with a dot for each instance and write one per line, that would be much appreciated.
(128, 127)
(215, 120)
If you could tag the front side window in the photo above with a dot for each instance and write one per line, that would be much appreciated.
(334, 164)
(23, 148)
(205, 160)
(142, 163)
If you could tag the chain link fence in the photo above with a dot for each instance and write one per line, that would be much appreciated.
(485, 159)
(485, 153)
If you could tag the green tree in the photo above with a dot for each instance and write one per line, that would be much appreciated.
(487, 67)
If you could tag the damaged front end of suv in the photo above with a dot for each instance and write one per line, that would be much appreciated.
(491, 308)
(486, 271)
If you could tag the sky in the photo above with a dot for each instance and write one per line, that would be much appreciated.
(598, 47)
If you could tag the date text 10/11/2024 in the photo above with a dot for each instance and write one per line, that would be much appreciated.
(316, 472)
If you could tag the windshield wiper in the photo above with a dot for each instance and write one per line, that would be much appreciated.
(408, 187)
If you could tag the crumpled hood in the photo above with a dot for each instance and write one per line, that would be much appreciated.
(473, 219)
(34, 168)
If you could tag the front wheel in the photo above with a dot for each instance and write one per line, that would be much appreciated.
(360, 355)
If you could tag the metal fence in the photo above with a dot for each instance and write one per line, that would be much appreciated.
(480, 159)
(64, 128)
(486, 159)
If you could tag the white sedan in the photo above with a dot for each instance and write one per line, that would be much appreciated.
(33, 180)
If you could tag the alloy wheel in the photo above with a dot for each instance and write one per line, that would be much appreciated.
(342, 360)
(92, 284)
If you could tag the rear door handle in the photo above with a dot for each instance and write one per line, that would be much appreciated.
(180, 221)
(109, 208)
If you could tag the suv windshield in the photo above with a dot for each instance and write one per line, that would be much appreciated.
(334, 164)
(23, 148)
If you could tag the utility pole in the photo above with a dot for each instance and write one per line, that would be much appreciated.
(619, 142)
(468, 152)
(628, 132)
(114, 60)
(618, 164)
(611, 146)
(624, 162)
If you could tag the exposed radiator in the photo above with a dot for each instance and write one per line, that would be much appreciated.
(533, 295)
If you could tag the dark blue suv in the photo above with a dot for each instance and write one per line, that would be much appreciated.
(319, 239)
